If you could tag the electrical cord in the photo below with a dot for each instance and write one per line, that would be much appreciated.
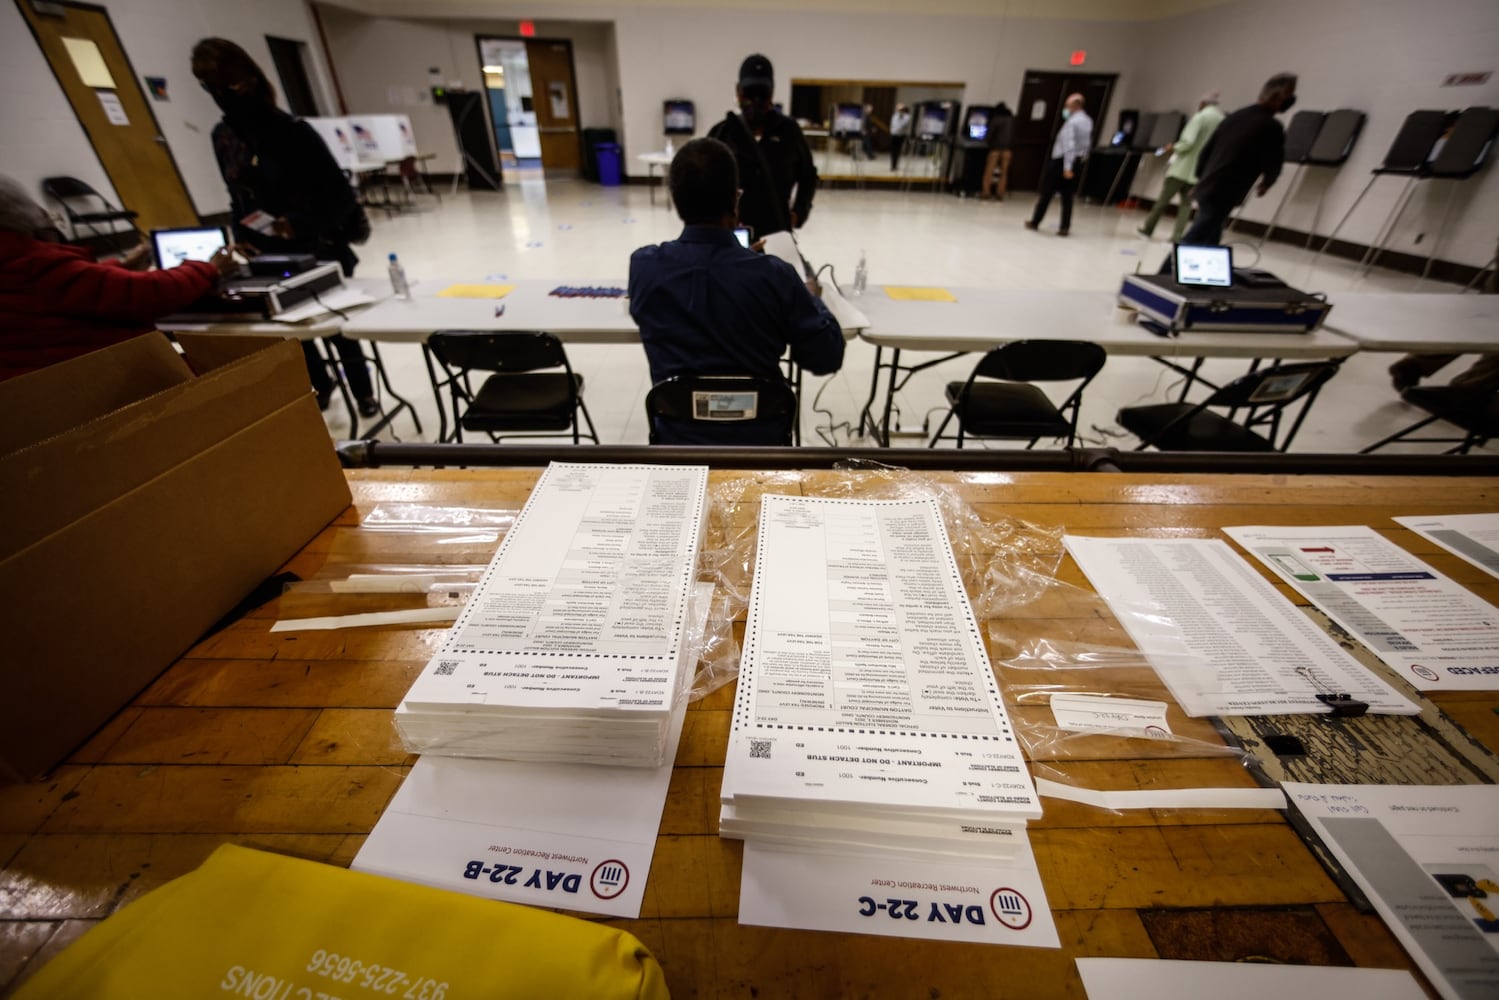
(829, 433)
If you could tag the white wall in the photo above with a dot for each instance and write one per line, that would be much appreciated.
(1385, 58)
(39, 134)
(158, 36)
(371, 55)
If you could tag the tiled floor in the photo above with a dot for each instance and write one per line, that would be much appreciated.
(572, 230)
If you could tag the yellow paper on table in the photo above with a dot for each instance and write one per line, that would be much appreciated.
(475, 291)
(908, 293)
(251, 924)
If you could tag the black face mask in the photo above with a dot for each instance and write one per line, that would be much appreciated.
(235, 104)
(1288, 103)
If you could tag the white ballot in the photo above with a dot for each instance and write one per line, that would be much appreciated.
(1428, 859)
(579, 619)
(863, 680)
(531, 833)
(1001, 902)
(1092, 713)
(1434, 632)
(1173, 979)
(1220, 637)
(1473, 537)
(575, 836)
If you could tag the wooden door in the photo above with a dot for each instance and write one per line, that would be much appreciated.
(85, 54)
(554, 98)
(1037, 118)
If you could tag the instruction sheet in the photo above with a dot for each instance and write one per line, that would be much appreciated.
(1218, 634)
(1433, 631)
(1428, 859)
(1473, 537)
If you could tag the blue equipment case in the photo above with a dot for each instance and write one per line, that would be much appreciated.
(1181, 308)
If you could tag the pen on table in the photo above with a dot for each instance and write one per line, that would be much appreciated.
(499, 310)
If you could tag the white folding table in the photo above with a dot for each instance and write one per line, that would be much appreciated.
(981, 319)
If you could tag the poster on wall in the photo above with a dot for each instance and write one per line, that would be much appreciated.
(113, 109)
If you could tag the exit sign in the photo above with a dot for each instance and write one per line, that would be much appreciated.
(1079, 57)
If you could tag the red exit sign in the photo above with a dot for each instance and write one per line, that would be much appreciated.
(1079, 57)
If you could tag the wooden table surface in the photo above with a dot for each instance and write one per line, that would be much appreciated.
(283, 742)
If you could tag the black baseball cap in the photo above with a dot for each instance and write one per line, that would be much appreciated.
(756, 70)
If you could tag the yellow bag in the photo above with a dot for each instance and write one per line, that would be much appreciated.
(250, 924)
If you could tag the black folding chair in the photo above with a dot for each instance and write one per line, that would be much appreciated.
(520, 398)
(83, 206)
(999, 401)
(1263, 395)
(1475, 411)
(721, 409)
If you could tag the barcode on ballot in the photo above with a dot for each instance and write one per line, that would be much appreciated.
(446, 668)
(760, 748)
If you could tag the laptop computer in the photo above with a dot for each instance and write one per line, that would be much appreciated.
(1204, 267)
(173, 246)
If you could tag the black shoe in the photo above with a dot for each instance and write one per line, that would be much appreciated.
(1405, 374)
(324, 397)
(1030, 225)
(368, 407)
(1063, 232)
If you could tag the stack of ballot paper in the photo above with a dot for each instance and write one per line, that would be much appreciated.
(574, 646)
(867, 716)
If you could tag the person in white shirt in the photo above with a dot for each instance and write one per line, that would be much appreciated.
(1068, 151)
(900, 124)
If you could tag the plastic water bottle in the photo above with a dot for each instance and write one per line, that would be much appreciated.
(861, 275)
(669, 148)
(398, 279)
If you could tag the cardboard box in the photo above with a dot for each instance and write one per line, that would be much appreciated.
(141, 503)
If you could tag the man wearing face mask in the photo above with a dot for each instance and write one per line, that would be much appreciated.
(1248, 146)
(276, 166)
(1068, 151)
(775, 165)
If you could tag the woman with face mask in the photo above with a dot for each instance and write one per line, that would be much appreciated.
(276, 166)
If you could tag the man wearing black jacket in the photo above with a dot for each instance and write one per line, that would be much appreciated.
(1248, 146)
(775, 165)
(277, 168)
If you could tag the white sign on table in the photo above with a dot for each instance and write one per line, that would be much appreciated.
(1218, 634)
(1434, 632)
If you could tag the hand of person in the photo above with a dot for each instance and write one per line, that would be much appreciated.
(759, 245)
(224, 262)
(1166, 149)
(137, 258)
(814, 288)
(1262, 189)
(1067, 174)
(282, 227)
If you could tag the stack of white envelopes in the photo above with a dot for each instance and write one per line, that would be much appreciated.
(574, 646)
(867, 717)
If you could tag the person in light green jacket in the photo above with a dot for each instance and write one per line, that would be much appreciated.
(1182, 173)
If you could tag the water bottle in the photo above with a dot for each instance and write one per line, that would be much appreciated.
(398, 279)
(669, 148)
(861, 275)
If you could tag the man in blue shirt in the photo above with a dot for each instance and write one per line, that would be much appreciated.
(707, 306)
(1068, 151)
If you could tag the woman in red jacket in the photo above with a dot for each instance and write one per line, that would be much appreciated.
(57, 302)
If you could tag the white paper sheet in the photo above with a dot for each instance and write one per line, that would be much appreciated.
(1218, 634)
(863, 678)
(576, 836)
(1166, 798)
(1091, 713)
(1473, 537)
(1428, 859)
(999, 903)
(408, 616)
(324, 304)
(1170, 979)
(584, 604)
(1434, 632)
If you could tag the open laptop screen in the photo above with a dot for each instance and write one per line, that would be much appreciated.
(1212, 267)
(173, 246)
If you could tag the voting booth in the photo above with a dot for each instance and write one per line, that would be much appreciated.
(383, 137)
